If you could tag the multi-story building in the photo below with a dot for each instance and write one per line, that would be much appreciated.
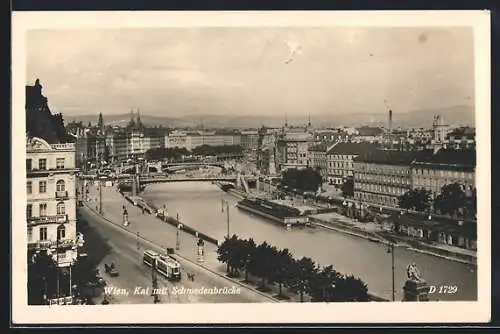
(177, 139)
(339, 160)
(381, 176)
(292, 147)
(317, 158)
(369, 134)
(461, 138)
(51, 200)
(330, 136)
(190, 140)
(292, 150)
(446, 166)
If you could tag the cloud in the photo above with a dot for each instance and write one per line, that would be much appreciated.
(244, 70)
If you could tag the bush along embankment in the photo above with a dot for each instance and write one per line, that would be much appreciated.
(303, 277)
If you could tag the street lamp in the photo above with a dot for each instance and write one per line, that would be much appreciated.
(390, 249)
(227, 216)
(60, 228)
(179, 226)
(100, 197)
(224, 202)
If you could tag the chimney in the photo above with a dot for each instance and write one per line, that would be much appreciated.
(390, 129)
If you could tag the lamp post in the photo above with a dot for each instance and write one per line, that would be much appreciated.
(390, 249)
(60, 227)
(179, 226)
(227, 218)
(100, 196)
(227, 214)
(137, 238)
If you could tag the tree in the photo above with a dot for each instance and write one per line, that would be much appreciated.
(249, 251)
(451, 200)
(260, 264)
(281, 270)
(41, 277)
(350, 289)
(307, 179)
(302, 273)
(226, 253)
(471, 204)
(323, 285)
(415, 199)
(347, 188)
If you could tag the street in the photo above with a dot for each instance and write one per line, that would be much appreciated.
(116, 245)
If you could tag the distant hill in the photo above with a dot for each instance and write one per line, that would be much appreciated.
(454, 115)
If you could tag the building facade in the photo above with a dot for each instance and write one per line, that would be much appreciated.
(317, 158)
(51, 200)
(292, 148)
(339, 160)
(445, 166)
(381, 176)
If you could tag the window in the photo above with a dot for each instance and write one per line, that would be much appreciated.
(28, 164)
(42, 209)
(60, 185)
(29, 187)
(42, 187)
(42, 164)
(61, 232)
(43, 233)
(60, 163)
(29, 210)
(30, 233)
(61, 208)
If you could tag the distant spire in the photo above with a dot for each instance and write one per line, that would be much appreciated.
(309, 119)
(286, 119)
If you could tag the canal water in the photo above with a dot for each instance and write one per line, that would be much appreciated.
(199, 205)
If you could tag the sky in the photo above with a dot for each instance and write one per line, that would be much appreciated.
(252, 71)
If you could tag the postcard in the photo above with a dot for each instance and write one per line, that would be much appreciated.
(251, 167)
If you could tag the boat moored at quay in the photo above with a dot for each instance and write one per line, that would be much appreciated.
(284, 214)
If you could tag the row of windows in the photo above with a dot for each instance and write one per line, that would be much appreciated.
(381, 169)
(382, 178)
(345, 165)
(381, 189)
(42, 209)
(340, 157)
(443, 173)
(42, 186)
(375, 198)
(42, 233)
(42, 164)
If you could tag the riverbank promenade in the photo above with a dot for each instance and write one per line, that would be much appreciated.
(149, 229)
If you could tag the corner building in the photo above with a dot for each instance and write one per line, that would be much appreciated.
(51, 200)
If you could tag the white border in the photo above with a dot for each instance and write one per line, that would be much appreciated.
(397, 312)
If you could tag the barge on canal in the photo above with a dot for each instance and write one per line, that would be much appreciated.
(286, 215)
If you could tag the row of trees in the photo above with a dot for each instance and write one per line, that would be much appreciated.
(307, 179)
(452, 200)
(302, 276)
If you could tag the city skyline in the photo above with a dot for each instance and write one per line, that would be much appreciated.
(196, 72)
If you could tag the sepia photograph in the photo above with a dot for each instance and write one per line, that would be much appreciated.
(212, 167)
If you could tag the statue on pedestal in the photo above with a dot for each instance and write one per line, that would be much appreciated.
(415, 288)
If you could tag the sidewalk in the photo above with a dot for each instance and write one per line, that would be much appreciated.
(150, 228)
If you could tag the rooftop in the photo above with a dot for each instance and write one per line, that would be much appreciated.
(391, 157)
(369, 131)
(353, 148)
(464, 157)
